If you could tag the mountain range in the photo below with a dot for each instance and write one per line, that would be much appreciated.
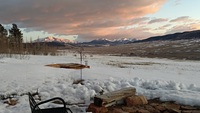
(176, 36)
(106, 42)
(96, 42)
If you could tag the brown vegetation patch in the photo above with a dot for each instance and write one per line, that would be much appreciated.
(128, 64)
(69, 66)
(11, 102)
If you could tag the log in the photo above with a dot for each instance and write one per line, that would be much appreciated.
(113, 98)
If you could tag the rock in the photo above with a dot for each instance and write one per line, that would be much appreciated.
(186, 111)
(142, 111)
(166, 112)
(160, 108)
(130, 109)
(172, 107)
(190, 111)
(117, 110)
(154, 104)
(174, 111)
(95, 109)
(151, 109)
(187, 108)
(136, 100)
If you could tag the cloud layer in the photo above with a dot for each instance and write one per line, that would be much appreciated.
(91, 18)
(86, 18)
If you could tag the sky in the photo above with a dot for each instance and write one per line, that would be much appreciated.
(85, 20)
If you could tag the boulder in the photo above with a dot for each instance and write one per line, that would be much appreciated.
(136, 100)
(95, 109)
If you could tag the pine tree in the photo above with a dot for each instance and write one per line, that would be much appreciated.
(16, 38)
(3, 32)
(3, 39)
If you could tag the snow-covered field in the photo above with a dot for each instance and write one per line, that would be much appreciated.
(176, 80)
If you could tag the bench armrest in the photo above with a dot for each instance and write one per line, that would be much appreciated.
(46, 101)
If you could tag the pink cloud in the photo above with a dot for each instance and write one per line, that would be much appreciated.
(180, 28)
(78, 17)
(196, 26)
(181, 19)
(187, 24)
(158, 20)
(165, 26)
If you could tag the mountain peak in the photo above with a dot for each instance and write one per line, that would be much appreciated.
(53, 39)
(106, 42)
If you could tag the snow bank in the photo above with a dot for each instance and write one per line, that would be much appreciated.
(155, 78)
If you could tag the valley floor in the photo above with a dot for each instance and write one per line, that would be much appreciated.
(174, 49)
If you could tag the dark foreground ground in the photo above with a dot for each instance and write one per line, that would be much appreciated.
(155, 106)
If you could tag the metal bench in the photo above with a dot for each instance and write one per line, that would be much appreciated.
(35, 106)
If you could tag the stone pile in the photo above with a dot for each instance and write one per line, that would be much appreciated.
(139, 104)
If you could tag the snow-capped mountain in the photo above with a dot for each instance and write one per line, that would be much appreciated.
(53, 39)
(124, 40)
(102, 42)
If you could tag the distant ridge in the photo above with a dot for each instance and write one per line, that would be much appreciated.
(107, 42)
(175, 36)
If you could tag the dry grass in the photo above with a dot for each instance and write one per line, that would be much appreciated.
(182, 49)
(129, 64)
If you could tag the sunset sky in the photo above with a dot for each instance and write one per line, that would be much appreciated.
(85, 20)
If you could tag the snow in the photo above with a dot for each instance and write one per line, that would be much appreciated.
(176, 80)
(53, 39)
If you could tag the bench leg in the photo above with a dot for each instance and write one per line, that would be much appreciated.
(67, 109)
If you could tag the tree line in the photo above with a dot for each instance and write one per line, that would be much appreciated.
(11, 43)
